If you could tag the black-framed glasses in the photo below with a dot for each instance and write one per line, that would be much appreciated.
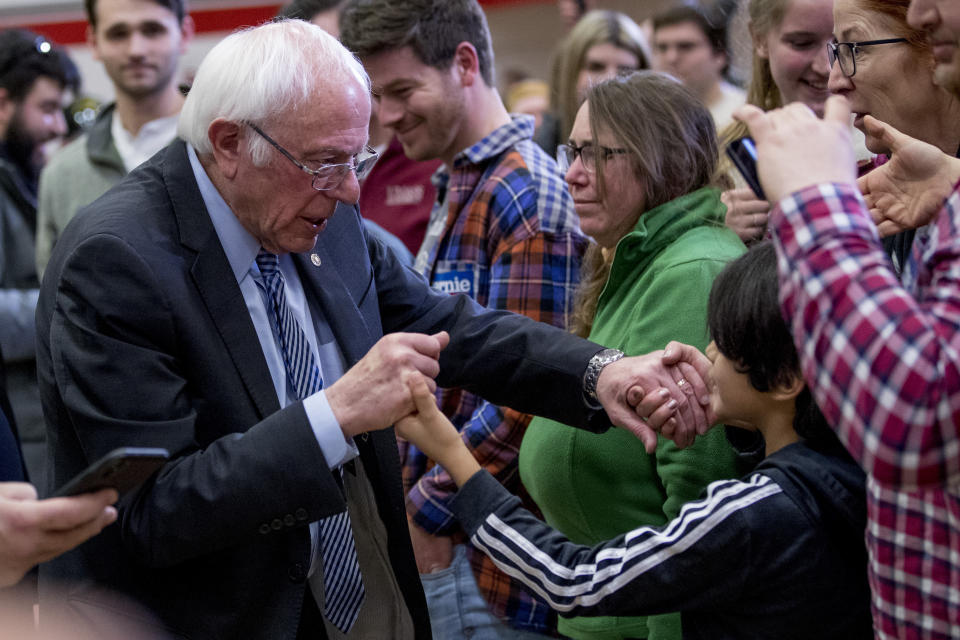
(328, 176)
(568, 153)
(846, 53)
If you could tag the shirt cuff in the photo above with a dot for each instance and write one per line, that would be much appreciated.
(335, 447)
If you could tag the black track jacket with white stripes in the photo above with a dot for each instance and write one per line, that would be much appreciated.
(778, 554)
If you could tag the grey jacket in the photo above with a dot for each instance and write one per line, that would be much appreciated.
(18, 276)
(18, 301)
(77, 175)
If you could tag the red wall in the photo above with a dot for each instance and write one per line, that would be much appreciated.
(206, 20)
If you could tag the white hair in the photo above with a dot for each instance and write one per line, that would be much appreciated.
(263, 71)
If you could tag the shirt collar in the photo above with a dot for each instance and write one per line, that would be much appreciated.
(240, 247)
(519, 128)
(147, 128)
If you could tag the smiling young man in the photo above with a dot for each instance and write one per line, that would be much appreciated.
(502, 231)
(139, 43)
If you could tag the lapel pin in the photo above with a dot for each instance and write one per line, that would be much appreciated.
(315, 259)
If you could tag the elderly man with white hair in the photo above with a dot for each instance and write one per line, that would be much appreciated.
(224, 302)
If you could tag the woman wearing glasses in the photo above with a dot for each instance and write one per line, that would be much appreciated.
(639, 163)
(884, 68)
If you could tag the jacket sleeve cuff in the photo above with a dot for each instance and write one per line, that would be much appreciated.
(479, 496)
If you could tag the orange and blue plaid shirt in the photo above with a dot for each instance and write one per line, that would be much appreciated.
(511, 241)
(883, 362)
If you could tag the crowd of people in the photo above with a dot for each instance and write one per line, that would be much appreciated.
(429, 368)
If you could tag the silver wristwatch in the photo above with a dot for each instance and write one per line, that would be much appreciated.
(594, 367)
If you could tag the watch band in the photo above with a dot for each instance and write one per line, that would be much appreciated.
(594, 367)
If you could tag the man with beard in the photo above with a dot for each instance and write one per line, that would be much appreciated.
(34, 77)
(139, 43)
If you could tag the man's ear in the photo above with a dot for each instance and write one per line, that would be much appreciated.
(226, 137)
(187, 31)
(790, 390)
(466, 64)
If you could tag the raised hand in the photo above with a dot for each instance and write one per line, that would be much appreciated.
(795, 149)
(909, 190)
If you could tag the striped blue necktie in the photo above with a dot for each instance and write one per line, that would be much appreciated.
(342, 584)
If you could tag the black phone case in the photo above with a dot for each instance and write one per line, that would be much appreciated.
(739, 152)
(122, 469)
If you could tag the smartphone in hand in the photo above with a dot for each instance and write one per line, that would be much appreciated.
(122, 469)
(743, 154)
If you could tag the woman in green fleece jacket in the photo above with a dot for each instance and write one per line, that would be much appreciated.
(640, 163)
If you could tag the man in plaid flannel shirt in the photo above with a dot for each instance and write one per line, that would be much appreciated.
(882, 359)
(503, 231)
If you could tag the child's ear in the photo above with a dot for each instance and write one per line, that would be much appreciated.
(790, 390)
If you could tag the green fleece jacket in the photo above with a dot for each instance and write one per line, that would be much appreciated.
(592, 486)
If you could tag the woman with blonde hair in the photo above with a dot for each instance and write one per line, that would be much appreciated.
(600, 46)
(790, 64)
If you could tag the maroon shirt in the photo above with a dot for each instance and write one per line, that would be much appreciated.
(398, 195)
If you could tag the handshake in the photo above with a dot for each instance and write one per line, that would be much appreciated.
(661, 392)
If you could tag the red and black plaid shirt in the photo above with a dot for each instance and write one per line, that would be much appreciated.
(883, 361)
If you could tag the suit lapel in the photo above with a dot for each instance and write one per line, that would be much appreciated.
(216, 283)
(339, 309)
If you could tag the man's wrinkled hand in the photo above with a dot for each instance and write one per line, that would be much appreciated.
(374, 393)
(646, 396)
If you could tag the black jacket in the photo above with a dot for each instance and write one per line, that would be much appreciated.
(778, 554)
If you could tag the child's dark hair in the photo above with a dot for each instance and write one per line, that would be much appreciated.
(746, 325)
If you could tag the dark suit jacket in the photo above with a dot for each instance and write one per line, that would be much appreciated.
(144, 339)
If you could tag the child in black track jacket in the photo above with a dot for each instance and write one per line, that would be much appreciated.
(777, 554)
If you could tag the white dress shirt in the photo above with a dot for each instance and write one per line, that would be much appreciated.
(134, 150)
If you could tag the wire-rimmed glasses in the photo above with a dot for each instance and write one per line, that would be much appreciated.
(846, 53)
(328, 176)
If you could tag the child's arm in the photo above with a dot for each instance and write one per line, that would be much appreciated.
(708, 556)
(436, 436)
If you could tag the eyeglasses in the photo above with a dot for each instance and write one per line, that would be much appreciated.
(846, 53)
(568, 153)
(328, 176)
